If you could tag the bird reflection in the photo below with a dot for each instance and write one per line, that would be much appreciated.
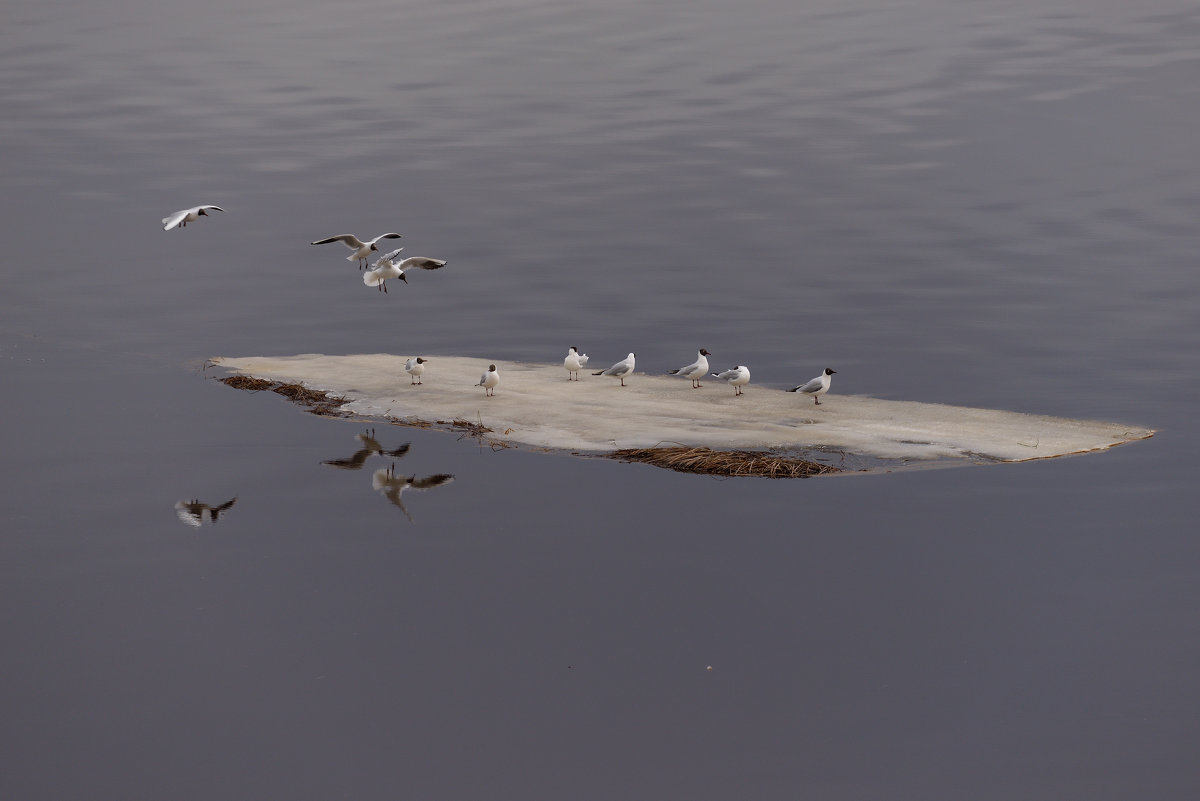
(393, 486)
(193, 512)
(370, 445)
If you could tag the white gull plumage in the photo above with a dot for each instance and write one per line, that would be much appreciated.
(181, 218)
(574, 362)
(390, 266)
(360, 250)
(621, 369)
(736, 377)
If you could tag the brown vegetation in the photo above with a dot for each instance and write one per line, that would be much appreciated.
(321, 403)
(724, 463)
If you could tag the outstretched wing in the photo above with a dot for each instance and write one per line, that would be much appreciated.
(421, 262)
(353, 463)
(384, 236)
(389, 257)
(429, 482)
(175, 219)
(349, 240)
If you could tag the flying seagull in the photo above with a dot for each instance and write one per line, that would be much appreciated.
(390, 266)
(393, 487)
(817, 387)
(370, 446)
(361, 250)
(181, 218)
(192, 512)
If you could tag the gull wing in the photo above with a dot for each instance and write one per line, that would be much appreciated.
(382, 236)
(175, 219)
(349, 240)
(429, 482)
(421, 262)
(811, 386)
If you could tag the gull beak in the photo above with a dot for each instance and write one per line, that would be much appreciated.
(403, 278)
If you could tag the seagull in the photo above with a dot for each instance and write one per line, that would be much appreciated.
(370, 445)
(181, 218)
(489, 380)
(574, 362)
(696, 370)
(192, 512)
(736, 377)
(362, 250)
(393, 487)
(415, 367)
(620, 370)
(390, 267)
(817, 387)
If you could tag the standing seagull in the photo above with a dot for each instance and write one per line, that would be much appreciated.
(620, 370)
(184, 216)
(696, 370)
(737, 378)
(574, 362)
(415, 367)
(817, 387)
(489, 380)
(390, 266)
(361, 250)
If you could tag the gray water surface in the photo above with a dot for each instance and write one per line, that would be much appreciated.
(991, 204)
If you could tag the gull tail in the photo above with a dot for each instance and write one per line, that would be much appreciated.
(371, 278)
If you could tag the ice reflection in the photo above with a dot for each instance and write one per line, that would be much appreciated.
(393, 486)
(370, 446)
(193, 512)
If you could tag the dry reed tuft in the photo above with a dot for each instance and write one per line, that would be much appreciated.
(247, 382)
(724, 463)
(321, 403)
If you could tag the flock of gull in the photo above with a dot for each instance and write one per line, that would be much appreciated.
(390, 265)
(575, 362)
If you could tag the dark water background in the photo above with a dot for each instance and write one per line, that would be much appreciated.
(983, 203)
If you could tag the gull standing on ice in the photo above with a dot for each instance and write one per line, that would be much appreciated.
(696, 370)
(817, 387)
(390, 266)
(415, 367)
(489, 380)
(361, 250)
(737, 378)
(620, 370)
(184, 216)
(574, 362)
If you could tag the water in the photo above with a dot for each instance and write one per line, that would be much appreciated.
(988, 204)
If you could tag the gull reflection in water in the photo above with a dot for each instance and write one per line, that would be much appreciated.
(193, 512)
(393, 486)
(370, 446)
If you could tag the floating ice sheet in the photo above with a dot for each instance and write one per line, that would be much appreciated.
(536, 405)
